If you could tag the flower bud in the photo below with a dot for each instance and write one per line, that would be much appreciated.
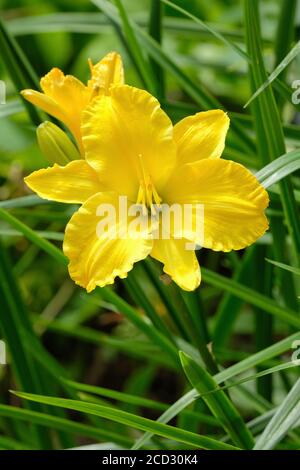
(55, 144)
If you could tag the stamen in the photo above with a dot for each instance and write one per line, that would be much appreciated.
(156, 197)
(147, 194)
(142, 170)
(90, 65)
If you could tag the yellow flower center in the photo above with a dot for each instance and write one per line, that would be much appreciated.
(147, 194)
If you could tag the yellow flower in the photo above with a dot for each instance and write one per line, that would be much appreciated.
(65, 97)
(132, 150)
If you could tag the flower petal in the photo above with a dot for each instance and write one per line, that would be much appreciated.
(109, 71)
(44, 102)
(65, 99)
(201, 136)
(73, 183)
(179, 262)
(233, 199)
(96, 259)
(122, 132)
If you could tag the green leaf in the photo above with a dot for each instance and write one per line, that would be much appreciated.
(62, 424)
(137, 400)
(89, 23)
(11, 108)
(135, 49)
(208, 28)
(227, 374)
(166, 297)
(285, 266)
(19, 68)
(140, 298)
(155, 31)
(218, 403)
(7, 443)
(279, 69)
(250, 295)
(279, 168)
(17, 331)
(33, 236)
(282, 88)
(137, 349)
(25, 201)
(282, 422)
(230, 305)
(269, 127)
(44, 234)
(149, 330)
(191, 301)
(138, 422)
(263, 373)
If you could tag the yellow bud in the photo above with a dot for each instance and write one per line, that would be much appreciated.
(55, 144)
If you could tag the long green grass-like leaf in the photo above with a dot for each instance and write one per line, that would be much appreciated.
(154, 335)
(133, 348)
(7, 443)
(285, 34)
(33, 236)
(62, 424)
(89, 23)
(291, 131)
(279, 168)
(285, 37)
(279, 69)
(136, 292)
(12, 333)
(250, 295)
(122, 417)
(230, 305)
(166, 298)
(263, 373)
(258, 358)
(208, 28)
(291, 269)
(281, 87)
(44, 234)
(47, 215)
(270, 145)
(219, 404)
(263, 282)
(271, 125)
(11, 108)
(199, 338)
(24, 201)
(17, 332)
(32, 347)
(21, 73)
(138, 401)
(283, 420)
(155, 31)
(135, 49)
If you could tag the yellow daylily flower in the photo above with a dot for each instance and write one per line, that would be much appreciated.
(65, 97)
(132, 150)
